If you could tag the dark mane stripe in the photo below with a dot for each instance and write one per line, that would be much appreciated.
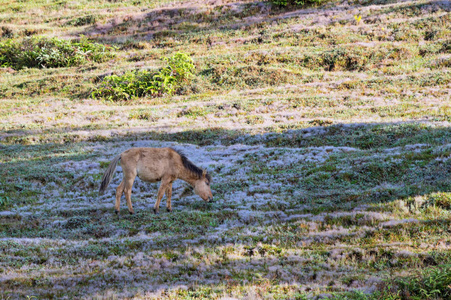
(190, 166)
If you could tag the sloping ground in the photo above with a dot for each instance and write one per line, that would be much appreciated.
(328, 141)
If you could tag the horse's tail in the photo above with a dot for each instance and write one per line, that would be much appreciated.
(106, 179)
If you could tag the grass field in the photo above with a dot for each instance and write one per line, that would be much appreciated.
(326, 128)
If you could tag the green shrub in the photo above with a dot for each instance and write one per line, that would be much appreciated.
(41, 52)
(143, 83)
(295, 2)
(425, 284)
(428, 284)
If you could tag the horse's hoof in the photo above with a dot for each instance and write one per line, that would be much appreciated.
(116, 211)
(155, 211)
(131, 212)
(169, 209)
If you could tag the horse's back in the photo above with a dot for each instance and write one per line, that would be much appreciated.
(150, 164)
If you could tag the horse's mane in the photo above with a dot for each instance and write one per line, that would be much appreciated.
(190, 166)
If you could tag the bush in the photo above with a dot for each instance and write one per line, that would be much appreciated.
(295, 2)
(143, 83)
(425, 284)
(428, 284)
(41, 52)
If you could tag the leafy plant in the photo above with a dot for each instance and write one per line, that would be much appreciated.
(41, 52)
(295, 2)
(143, 83)
(429, 284)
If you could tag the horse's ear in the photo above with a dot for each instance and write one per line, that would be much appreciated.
(204, 172)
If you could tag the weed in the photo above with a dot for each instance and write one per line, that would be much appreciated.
(134, 84)
(428, 284)
(42, 52)
(283, 3)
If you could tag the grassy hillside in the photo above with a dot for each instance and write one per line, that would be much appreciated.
(326, 128)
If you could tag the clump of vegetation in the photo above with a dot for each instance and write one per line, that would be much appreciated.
(7, 32)
(42, 52)
(4, 201)
(428, 284)
(295, 2)
(441, 199)
(142, 83)
(85, 20)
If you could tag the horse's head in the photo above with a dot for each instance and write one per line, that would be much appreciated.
(202, 186)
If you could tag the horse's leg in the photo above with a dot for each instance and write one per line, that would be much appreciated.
(119, 191)
(128, 191)
(161, 191)
(169, 195)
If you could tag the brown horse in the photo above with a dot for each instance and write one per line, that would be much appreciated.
(152, 165)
